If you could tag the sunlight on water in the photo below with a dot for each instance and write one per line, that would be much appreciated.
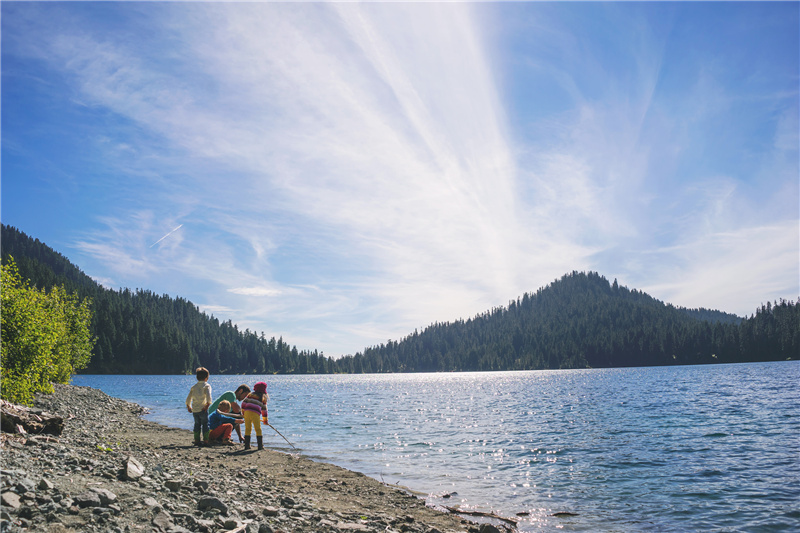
(664, 449)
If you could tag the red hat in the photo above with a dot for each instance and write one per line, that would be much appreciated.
(260, 387)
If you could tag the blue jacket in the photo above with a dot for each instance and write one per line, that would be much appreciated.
(216, 419)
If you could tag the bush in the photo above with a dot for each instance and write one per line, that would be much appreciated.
(45, 337)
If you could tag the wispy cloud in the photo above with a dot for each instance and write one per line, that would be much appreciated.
(345, 173)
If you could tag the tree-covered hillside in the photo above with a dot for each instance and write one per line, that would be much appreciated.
(581, 320)
(139, 332)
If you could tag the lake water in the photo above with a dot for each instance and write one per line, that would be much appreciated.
(700, 448)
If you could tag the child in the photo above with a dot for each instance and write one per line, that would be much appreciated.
(236, 412)
(221, 425)
(253, 407)
(197, 403)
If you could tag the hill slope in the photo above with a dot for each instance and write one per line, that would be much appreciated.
(139, 332)
(581, 321)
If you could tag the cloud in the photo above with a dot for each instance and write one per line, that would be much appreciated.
(736, 271)
(255, 291)
(345, 173)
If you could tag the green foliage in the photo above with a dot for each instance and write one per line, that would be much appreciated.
(45, 336)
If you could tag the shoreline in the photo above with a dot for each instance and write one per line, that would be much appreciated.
(110, 470)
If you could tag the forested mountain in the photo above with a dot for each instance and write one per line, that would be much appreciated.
(139, 332)
(581, 320)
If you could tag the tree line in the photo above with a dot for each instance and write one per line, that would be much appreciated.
(140, 332)
(581, 320)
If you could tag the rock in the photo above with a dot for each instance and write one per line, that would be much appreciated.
(133, 469)
(210, 502)
(87, 499)
(11, 500)
(163, 522)
(287, 501)
(106, 496)
(24, 485)
(173, 486)
(351, 526)
(271, 511)
(489, 528)
(45, 484)
(150, 502)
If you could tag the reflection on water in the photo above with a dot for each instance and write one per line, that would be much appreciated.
(665, 449)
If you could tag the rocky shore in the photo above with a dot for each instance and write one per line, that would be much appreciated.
(112, 471)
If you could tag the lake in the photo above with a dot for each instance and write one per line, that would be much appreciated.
(700, 448)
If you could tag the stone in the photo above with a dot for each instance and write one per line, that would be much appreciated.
(351, 526)
(286, 501)
(10, 499)
(133, 469)
(45, 484)
(150, 502)
(489, 528)
(173, 486)
(25, 485)
(26, 512)
(87, 499)
(163, 521)
(270, 511)
(210, 502)
(106, 496)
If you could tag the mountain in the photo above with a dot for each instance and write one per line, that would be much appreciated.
(580, 320)
(139, 332)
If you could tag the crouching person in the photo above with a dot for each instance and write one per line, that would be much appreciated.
(222, 425)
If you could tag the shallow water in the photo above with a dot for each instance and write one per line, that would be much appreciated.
(699, 448)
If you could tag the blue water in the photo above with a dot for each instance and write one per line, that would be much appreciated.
(701, 448)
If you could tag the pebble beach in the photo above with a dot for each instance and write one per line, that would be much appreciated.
(112, 471)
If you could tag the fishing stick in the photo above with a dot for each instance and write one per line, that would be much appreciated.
(281, 434)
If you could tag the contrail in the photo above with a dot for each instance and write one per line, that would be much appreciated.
(167, 235)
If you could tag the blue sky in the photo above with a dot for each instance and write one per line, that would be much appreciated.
(340, 174)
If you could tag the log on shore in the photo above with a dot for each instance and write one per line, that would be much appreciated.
(24, 420)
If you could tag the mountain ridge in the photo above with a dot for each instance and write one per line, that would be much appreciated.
(580, 320)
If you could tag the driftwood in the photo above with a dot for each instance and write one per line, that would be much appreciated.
(24, 420)
(456, 510)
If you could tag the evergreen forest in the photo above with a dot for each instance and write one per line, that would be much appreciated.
(580, 320)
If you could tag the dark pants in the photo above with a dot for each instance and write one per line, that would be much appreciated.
(201, 422)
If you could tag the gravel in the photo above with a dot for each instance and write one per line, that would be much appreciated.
(112, 471)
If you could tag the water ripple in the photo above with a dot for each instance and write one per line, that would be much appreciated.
(635, 449)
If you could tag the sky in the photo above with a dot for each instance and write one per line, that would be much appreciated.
(341, 174)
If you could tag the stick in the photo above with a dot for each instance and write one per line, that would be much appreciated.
(281, 434)
(456, 510)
